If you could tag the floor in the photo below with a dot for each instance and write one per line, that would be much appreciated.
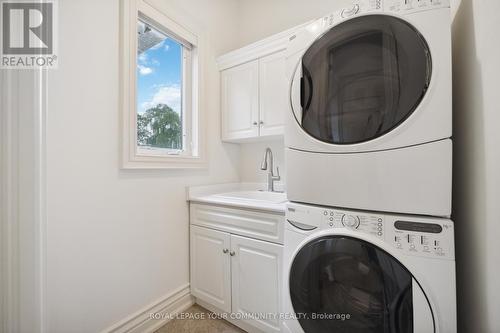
(198, 320)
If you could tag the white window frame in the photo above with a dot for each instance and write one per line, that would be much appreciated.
(193, 152)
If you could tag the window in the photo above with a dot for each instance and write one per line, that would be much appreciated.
(160, 92)
(160, 125)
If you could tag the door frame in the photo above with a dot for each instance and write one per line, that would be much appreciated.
(22, 200)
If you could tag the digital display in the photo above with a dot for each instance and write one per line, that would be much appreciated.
(418, 227)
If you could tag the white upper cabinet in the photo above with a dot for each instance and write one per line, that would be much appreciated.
(272, 94)
(240, 101)
(254, 89)
(253, 98)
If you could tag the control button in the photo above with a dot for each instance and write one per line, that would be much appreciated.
(350, 221)
(380, 220)
(331, 218)
(330, 224)
(350, 11)
(379, 233)
(325, 212)
(410, 238)
(331, 213)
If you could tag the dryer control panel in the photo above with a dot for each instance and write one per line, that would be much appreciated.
(410, 6)
(401, 7)
(412, 235)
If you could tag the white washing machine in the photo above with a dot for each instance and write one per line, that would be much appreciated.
(371, 108)
(357, 272)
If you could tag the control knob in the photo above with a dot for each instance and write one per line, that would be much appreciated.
(350, 221)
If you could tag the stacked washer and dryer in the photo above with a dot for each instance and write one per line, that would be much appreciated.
(369, 246)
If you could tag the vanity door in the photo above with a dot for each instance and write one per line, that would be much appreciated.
(256, 281)
(211, 267)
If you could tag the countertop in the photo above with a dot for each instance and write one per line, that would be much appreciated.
(214, 194)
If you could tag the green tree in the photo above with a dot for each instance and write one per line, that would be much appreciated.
(143, 132)
(160, 127)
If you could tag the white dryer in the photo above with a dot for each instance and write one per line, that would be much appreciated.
(357, 272)
(371, 108)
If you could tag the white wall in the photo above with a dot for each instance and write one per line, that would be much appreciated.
(476, 71)
(117, 240)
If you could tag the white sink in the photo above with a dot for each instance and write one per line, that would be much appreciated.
(271, 197)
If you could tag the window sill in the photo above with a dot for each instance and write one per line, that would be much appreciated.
(151, 161)
(164, 162)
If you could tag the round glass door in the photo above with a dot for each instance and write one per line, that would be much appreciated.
(346, 285)
(361, 79)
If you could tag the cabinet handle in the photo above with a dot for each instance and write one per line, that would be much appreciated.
(261, 122)
(225, 251)
(232, 253)
(255, 123)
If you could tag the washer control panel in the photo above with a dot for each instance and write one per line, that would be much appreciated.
(362, 222)
(412, 235)
(430, 238)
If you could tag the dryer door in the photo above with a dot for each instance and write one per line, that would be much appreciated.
(343, 284)
(361, 79)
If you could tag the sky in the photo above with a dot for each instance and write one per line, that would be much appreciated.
(159, 76)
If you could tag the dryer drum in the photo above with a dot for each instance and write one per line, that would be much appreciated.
(362, 78)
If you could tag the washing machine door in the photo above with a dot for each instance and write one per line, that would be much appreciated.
(346, 285)
(361, 79)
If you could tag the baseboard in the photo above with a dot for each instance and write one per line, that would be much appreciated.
(164, 308)
(236, 322)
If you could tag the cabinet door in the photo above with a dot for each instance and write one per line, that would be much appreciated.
(273, 89)
(256, 281)
(210, 267)
(240, 101)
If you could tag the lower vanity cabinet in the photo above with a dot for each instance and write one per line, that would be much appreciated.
(238, 275)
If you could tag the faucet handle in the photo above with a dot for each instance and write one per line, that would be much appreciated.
(277, 177)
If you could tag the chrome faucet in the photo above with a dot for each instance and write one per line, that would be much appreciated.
(271, 178)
